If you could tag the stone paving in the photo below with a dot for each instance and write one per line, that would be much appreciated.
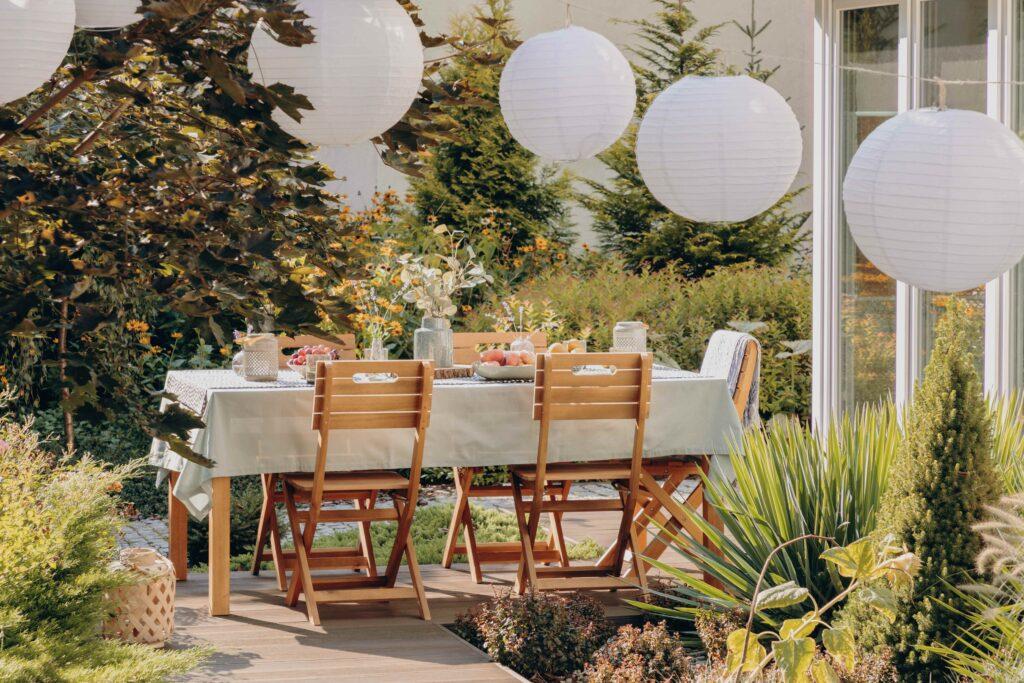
(152, 532)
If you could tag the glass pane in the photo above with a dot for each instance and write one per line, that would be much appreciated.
(953, 46)
(870, 38)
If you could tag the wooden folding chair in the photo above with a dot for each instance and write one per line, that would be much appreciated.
(467, 350)
(361, 395)
(268, 530)
(659, 505)
(595, 386)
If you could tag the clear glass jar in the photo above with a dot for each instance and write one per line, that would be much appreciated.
(630, 337)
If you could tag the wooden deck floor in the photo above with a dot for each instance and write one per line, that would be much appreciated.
(263, 640)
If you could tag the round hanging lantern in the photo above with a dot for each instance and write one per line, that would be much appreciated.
(34, 38)
(106, 13)
(568, 94)
(719, 149)
(355, 170)
(935, 198)
(361, 75)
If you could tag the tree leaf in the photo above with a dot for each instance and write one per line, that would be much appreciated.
(784, 595)
(855, 561)
(794, 657)
(799, 628)
(822, 672)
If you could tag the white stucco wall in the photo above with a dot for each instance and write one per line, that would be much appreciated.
(787, 43)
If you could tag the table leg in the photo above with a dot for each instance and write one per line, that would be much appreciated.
(177, 531)
(220, 548)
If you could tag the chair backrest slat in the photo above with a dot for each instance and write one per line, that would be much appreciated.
(344, 344)
(592, 386)
(466, 344)
(372, 395)
(745, 381)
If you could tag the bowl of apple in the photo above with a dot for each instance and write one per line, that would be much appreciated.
(304, 360)
(498, 364)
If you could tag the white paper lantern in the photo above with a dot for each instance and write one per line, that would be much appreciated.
(361, 75)
(935, 198)
(356, 168)
(719, 148)
(34, 38)
(568, 94)
(106, 13)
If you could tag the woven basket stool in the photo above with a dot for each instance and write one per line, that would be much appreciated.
(143, 611)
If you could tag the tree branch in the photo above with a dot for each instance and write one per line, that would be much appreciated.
(56, 99)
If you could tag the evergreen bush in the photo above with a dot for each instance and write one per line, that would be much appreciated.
(638, 655)
(940, 483)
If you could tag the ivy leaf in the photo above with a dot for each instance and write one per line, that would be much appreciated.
(784, 595)
(855, 561)
(881, 599)
(799, 628)
(794, 657)
(734, 646)
(838, 642)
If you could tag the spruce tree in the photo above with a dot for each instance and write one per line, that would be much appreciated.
(941, 480)
(478, 179)
(629, 220)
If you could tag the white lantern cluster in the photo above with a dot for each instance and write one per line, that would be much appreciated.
(106, 13)
(361, 75)
(34, 37)
(356, 169)
(567, 95)
(719, 148)
(935, 198)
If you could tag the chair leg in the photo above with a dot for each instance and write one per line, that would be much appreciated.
(365, 535)
(469, 538)
(709, 513)
(263, 530)
(301, 575)
(639, 568)
(557, 535)
(463, 478)
(278, 553)
(417, 580)
(527, 574)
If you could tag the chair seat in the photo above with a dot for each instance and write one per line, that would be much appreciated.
(576, 471)
(350, 481)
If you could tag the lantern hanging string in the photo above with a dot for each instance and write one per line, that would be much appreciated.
(940, 82)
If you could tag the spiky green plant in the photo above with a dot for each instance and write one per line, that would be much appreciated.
(790, 482)
(1008, 440)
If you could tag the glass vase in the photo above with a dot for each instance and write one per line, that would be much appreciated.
(434, 341)
(377, 350)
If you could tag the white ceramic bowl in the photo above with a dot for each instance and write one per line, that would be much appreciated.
(521, 372)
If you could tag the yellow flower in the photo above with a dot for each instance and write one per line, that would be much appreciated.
(137, 326)
(145, 339)
(176, 335)
(225, 351)
(560, 256)
(542, 244)
(518, 262)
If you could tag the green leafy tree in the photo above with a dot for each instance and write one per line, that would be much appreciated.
(480, 180)
(938, 489)
(629, 220)
(149, 178)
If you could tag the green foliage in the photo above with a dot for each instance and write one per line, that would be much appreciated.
(478, 179)
(637, 655)
(876, 565)
(58, 526)
(990, 640)
(542, 636)
(630, 221)
(1008, 440)
(790, 483)
(942, 479)
(592, 295)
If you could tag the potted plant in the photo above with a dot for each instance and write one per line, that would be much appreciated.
(433, 283)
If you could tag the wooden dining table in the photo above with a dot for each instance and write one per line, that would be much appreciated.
(254, 428)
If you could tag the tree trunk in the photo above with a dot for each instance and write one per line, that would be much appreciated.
(65, 391)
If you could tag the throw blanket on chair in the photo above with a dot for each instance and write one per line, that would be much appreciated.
(724, 358)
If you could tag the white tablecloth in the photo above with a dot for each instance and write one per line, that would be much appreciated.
(254, 428)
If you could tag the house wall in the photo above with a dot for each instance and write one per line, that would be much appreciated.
(786, 43)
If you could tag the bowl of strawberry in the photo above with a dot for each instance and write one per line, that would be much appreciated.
(304, 360)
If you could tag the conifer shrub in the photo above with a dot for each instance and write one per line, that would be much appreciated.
(58, 533)
(938, 488)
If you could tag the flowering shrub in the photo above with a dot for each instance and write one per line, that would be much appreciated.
(637, 655)
(543, 636)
